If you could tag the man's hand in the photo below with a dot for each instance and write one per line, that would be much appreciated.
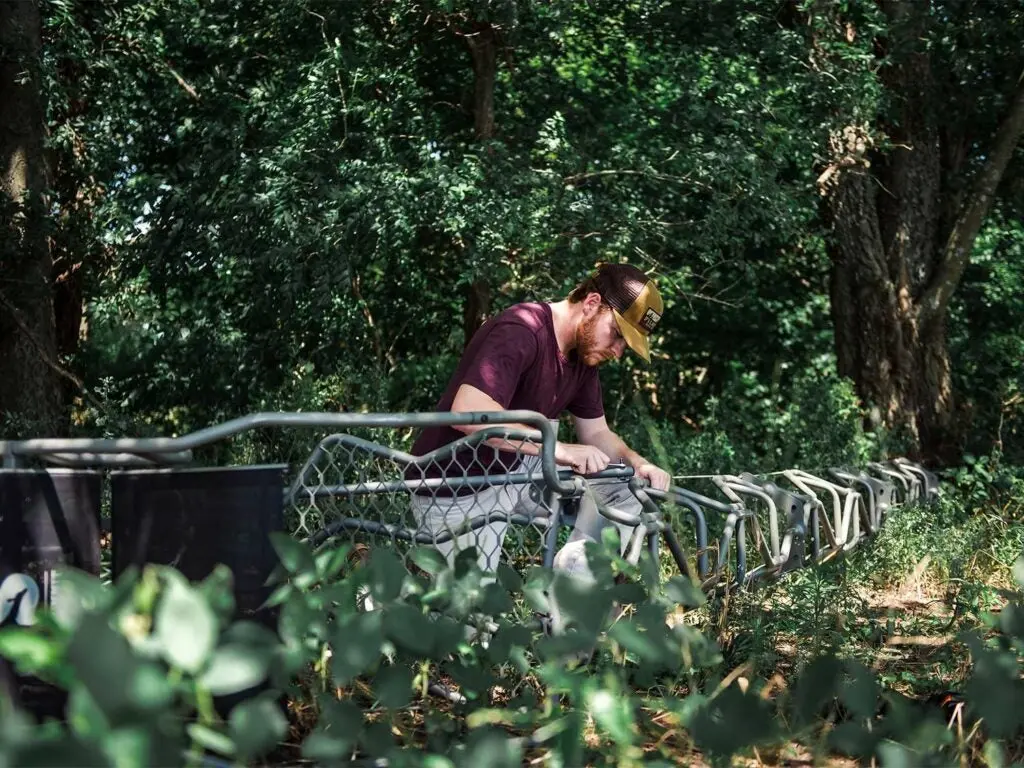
(584, 459)
(656, 476)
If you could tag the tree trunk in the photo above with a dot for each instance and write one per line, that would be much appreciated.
(29, 387)
(483, 47)
(894, 268)
(476, 309)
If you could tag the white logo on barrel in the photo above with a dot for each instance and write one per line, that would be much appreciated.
(19, 596)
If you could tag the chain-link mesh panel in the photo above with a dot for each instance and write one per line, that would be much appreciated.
(485, 490)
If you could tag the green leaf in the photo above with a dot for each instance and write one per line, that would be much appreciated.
(129, 747)
(995, 692)
(537, 587)
(818, 685)
(495, 601)
(1018, 571)
(393, 686)
(612, 711)
(256, 726)
(584, 605)
(337, 732)
(387, 573)
(235, 668)
(568, 743)
(714, 727)
(509, 635)
(509, 578)
(29, 651)
(295, 556)
(894, 755)
(471, 678)
(330, 561)
(298, 620)
(84, 591)
(356, 645)
(429, 559)
(684, 592)
(448, 635)
(492, 747)
(280, 595)
(211, 739)
(860, 693)
(1011, 620)
(854, 739)
(326, 748)
(993, 754)
(186, 627)
(105, 665)
(217, 590)
(148, 689)
(378, 740)
(84, 715)
(649, 646)
(409, 629)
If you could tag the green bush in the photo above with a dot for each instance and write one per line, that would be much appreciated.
(144, 659)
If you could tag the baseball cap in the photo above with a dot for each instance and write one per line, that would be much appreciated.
(635, 302)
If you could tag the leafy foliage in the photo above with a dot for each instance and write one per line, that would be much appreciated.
(157, 671)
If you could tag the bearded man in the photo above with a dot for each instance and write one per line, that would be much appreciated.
(544, 357)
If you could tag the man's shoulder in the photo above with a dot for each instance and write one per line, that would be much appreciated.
(533, 316)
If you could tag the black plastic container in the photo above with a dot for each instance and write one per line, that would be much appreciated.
(195, 518)
(48, 519)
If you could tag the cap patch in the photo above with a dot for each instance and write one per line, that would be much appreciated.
(649, 320)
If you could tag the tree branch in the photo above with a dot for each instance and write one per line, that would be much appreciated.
(957, 252)
(378, 340)
(181, 81)
(56, 367)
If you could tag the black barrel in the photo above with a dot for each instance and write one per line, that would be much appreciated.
(49, 518)
(195, 518)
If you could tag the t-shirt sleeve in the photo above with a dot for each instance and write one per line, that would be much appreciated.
(509, 350)
(588, 403)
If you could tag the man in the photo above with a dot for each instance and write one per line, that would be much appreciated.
(543, 357)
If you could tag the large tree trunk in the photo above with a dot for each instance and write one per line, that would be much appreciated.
(29, 384)
(898, 252)
(483, 48)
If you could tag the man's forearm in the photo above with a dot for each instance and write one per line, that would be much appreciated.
(529, 447)
(615, 448)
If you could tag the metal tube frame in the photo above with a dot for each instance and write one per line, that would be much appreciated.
(854, 496)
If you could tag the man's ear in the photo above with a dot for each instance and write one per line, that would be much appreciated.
(592, 304)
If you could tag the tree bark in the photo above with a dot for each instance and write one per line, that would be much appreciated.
(483, 47)
(894, 268)
(476, 308)
(29, 387)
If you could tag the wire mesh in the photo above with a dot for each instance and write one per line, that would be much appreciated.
(485, 490)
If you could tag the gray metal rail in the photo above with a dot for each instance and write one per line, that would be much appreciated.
(814, 520)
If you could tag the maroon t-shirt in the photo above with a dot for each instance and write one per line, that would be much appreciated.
(514, 358)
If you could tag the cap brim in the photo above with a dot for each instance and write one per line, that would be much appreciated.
(636, 340)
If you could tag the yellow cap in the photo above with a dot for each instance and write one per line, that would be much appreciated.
(636, 305)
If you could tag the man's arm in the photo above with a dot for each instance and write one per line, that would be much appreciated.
(597, 433)
(582, 458)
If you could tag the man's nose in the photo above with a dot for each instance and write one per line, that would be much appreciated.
(620, 348)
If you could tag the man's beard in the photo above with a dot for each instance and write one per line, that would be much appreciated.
(586, 343)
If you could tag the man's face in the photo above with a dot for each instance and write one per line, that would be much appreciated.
(598, 339)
